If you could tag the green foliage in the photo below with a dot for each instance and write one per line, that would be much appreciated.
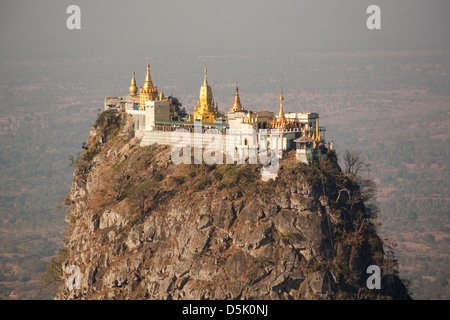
(376, 245)
(286, 237)
(140, 196)
(119, 182)
(178, 180)
(108, 122)
(90, 151)
(74, 160)
(318, 265)
(157, 176)
(329, 168)
(332, 156)
(108, 126)
(345, 271)
(245, 177)
(263, 262)
(312, 174)
(53, 276)
(202, 184)
(217, 175)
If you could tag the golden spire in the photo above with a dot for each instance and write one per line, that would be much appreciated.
(280, 122)
(205, 82)
(147, 91)
(281, 113)
(237, 102)
(148, 80)
(205, 107)
(317, 129)
(161, 95)
(133, 87)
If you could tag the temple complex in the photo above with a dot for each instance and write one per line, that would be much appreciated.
(156, 115)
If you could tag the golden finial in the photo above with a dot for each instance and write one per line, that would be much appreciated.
(280, 122)
(205, 82)
(148, 81)
(133, 87)
(317, 129)
(206, 103)
(249, 119)
(281, 113)
(237, 102)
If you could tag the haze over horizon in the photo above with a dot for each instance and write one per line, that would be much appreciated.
(199, 27)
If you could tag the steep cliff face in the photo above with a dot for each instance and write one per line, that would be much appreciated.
(141, 227)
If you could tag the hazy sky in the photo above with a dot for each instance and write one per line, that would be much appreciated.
(212, 27)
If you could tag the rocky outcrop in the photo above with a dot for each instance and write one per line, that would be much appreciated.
(141, 227)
